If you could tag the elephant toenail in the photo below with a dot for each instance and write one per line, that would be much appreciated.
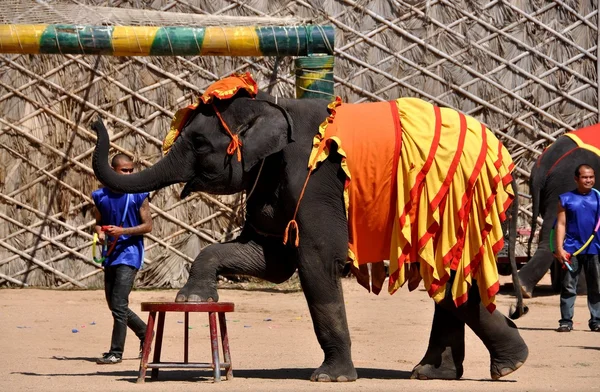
(194, 298)
(323, 378)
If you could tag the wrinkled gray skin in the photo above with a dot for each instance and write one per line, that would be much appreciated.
(552, 174)
(282, 134)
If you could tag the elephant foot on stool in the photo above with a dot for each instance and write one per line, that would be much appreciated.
(339, 373)
(193, 293)
(500, 367)
(440, 367)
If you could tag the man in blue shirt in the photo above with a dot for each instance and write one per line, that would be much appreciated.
(578, 213)
(121, 219)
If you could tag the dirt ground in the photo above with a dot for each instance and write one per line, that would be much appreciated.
(274, 347)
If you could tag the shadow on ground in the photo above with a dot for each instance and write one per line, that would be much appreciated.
(194, 375)
(540, 290)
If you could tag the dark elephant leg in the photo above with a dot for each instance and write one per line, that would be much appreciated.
(323, 291)
(499, 334)
(263, 258)
(446, 352)
(535, 269)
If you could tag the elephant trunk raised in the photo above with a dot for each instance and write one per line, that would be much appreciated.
(174, 168)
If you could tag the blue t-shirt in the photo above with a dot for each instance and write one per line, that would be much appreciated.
(129, 249)
(582, 216)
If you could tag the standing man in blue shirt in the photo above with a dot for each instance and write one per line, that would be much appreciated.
(578, 213)
(121, 219)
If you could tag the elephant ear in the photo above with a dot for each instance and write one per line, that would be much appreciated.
(267, 133)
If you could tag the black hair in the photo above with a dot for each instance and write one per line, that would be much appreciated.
(585, 166)
(119, 159)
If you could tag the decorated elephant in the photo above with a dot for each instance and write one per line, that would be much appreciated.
(553, 174)
(330, 183)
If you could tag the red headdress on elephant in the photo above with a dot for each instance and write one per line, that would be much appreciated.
(222, 89)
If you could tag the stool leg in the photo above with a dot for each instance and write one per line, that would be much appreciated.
(214, 342)
(159, 336)
(225, 343)
(186, 337)
(147, 347)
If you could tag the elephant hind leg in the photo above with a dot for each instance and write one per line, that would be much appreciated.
(509, 356)
(446, 352)
(500, 335)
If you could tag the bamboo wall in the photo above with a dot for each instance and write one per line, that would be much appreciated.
(528, 69)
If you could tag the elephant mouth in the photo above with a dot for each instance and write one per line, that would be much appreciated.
(191, 186)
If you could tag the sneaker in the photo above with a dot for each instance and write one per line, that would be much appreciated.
(564, 328)
(108, 359)
(595, 328)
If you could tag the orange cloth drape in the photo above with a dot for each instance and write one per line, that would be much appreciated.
(424, 184)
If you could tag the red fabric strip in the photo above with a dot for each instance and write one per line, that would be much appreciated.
(397, 151)
(436, 284)
(412, 207)
(461, 300)
(464, 211)
(493, 290)
(561, 158)
(455, 161)
(446, 184)
(498, 162)
(418, 186)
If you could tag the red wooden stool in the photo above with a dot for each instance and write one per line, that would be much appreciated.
(162, 307)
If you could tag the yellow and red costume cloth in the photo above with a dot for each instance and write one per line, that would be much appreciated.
(588, 138)
(424, 185)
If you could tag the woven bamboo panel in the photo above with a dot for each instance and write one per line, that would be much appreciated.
(529, 70)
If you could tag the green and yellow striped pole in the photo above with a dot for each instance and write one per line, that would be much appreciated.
(167, 41)
(314, 77)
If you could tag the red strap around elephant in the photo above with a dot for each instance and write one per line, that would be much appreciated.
(235, 144)
(293, 225)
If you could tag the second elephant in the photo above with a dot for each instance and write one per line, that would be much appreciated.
(552, 175)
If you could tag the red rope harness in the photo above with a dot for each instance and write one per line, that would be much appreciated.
(235, 144)
(234, 147)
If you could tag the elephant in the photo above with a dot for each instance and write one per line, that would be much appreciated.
(261, 144)
(552, 175)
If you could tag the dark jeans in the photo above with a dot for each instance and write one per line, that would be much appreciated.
(568, 291)
(118, 282)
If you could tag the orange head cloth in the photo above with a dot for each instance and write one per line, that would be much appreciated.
(222, 89)
(225, 89)
(229, 86)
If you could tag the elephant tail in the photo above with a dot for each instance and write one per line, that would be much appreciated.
(520, 310)
(535, 187)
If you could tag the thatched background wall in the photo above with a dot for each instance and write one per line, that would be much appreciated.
(528, 69)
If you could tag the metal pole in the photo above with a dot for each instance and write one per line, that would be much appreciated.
(167, 41)
(314, 77)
